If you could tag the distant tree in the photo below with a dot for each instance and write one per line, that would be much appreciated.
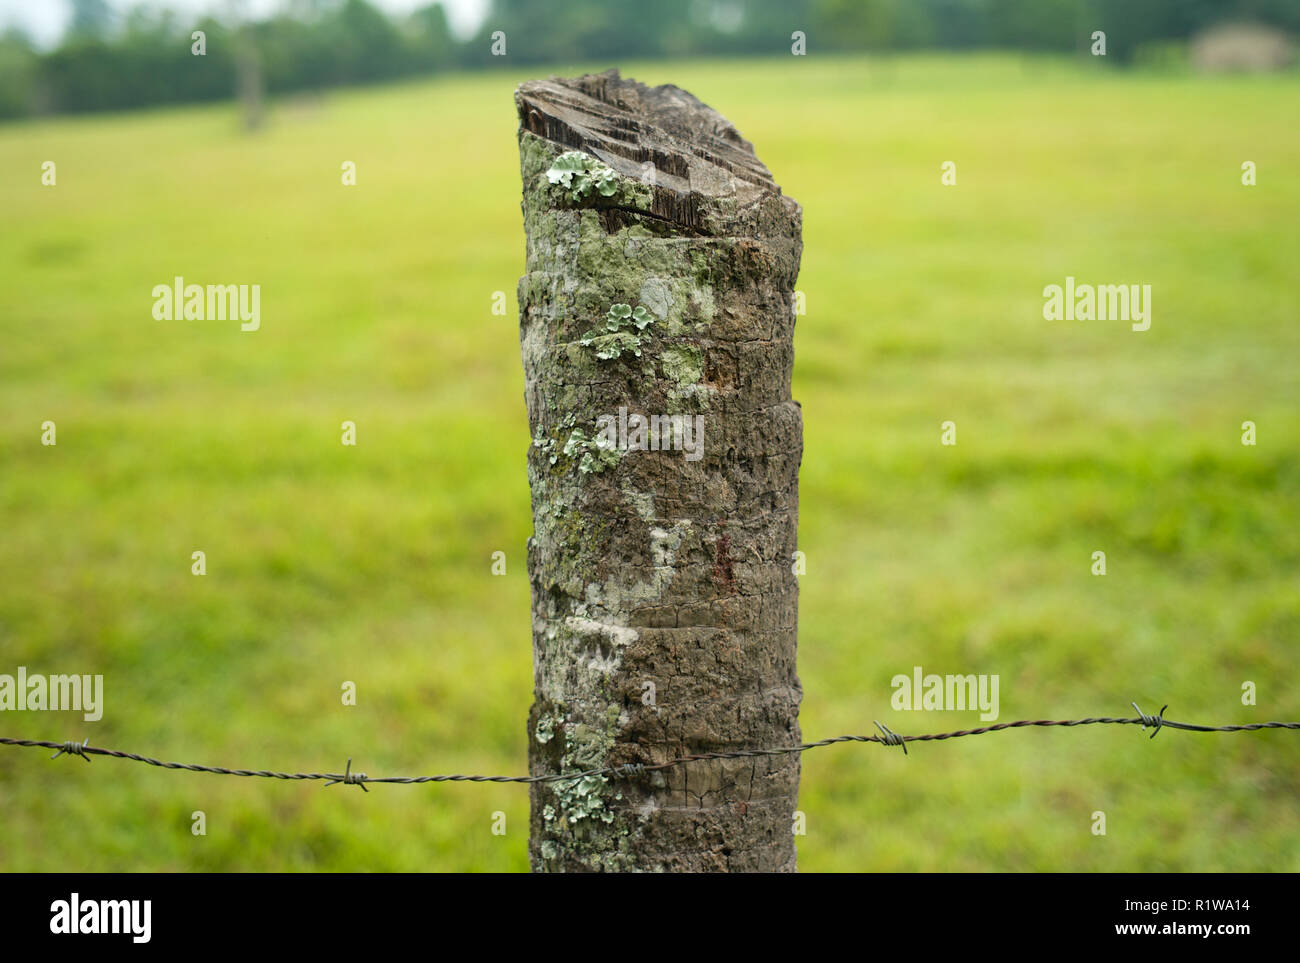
(247, 59)
(594, 30)
(17, 74)
(145, 58)
(248, 77)
(746, 26)
(297, 54)
(91, 19)
(428, 38)
(366, 43)
(1129, 25)
(1041, 24)
(872, 24)
(1277, 13)
(958, 24)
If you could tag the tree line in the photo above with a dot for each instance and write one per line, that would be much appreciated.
(151, 57)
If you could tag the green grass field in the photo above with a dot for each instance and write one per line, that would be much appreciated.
(372, 564)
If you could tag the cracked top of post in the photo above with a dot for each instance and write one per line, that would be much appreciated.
(694, 149)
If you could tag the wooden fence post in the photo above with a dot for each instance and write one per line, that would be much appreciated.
(656, 323)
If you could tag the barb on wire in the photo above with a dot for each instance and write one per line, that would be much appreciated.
(636, 769)
(74, 749)
(1155, 721)
(350, 778)
(891, 738)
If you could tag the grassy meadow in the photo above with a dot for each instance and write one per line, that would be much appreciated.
(372, 564)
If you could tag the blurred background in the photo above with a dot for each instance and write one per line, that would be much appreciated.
(68, 56)
(373, 564)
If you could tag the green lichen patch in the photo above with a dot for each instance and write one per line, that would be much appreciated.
(581, 175)
(624, 332)
(587, 747)
(545, 730)
(683, 364)
(594, 455)
(582, 824)
(545, 445)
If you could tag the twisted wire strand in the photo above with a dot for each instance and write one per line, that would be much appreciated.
(1155, 722)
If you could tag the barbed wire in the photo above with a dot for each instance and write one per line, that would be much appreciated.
(885, 738)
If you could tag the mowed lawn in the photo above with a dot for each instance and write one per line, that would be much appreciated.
(372, 564)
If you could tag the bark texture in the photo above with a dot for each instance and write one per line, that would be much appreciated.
(664, 602)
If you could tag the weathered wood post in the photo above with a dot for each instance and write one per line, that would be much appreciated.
(656, 322)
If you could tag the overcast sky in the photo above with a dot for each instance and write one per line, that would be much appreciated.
(45, 20)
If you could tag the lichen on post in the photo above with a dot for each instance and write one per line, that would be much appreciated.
(656, 324)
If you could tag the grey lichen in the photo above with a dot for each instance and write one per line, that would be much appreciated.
(579, 816)
(587, 747)
(624, 332)
(545, 731)
(545, 445)
(584, 799)
(594, 454)
(580, 174)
